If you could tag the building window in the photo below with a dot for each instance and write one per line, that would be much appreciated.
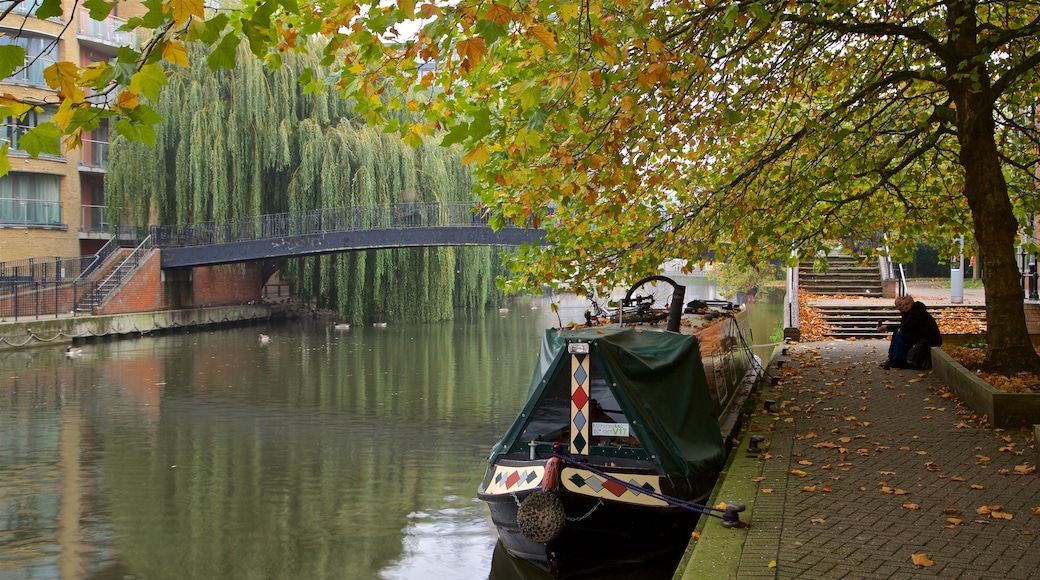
(40, 53)
(30, 199)
(14, 128)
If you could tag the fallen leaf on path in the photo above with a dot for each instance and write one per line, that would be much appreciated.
(817, 520)
(1024, 469)
(758, 479)
(955, 521)
(1001, 515)
(799, 473)
(809, 488)
(911, 506)
(1035, 511)
(921, 560)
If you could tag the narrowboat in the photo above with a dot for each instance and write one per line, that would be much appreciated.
(621, 439)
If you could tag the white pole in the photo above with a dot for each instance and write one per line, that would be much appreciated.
(957, 276)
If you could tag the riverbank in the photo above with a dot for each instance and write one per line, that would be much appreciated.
(74, 328)
(867, 473)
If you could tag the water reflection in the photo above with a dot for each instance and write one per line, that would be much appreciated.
(321, 454)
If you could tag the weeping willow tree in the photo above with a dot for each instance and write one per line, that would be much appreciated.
(249, 141)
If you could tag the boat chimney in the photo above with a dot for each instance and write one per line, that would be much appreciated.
(675, 309)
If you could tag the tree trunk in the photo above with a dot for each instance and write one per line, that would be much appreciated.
(1009, 348)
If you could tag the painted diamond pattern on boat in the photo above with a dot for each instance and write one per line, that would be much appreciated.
(597, 483)
(579, 398)
(579, 420)
(579, 373)
(615, 487)
(579, 443)
(512, 477)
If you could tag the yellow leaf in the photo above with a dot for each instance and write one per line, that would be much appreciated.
(64, 76)
(772, 564)
(809, 488)
(1000, 515)
(127, 100)
(766, 490)
(544, 36)
(174, 52)
(798, 472)
(976, 486)
(478, 155)
(182, 10)
(921, 560)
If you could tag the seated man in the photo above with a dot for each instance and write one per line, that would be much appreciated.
(916, 325)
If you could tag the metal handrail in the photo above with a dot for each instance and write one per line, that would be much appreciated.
(269, 226)
(115, 279)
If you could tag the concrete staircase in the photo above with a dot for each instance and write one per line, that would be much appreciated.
(847, 276)
(851, 302)
(861, 320)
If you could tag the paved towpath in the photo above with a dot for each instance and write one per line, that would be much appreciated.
(863, 470)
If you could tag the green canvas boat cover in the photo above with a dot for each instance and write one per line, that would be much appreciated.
(657, 379)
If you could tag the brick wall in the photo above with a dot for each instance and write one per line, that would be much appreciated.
(148, 289)
(1032, 317)
(227, 284)
(142, 292)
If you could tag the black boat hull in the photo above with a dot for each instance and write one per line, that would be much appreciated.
(602, 533)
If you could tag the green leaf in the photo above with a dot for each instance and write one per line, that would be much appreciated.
(481, 124)
(209, 31)
(537, 120)
(5, 163)
(223, 55)
(148, 81)
(12, 58)
(490, 31)
(43, 138)
(456, 135)
(49, 9)
(258, 39)
(99, 10)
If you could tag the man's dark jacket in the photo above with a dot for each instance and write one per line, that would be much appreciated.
(918, 323)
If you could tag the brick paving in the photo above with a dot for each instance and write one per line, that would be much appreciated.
(892, 468)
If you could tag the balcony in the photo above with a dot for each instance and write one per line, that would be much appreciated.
(94, 156)
(94, 222)
(17, 212)
(104, 35)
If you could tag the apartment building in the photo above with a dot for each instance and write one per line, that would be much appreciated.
(54, 206)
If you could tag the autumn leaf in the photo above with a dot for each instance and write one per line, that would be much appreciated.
(1035, 511)
(809, 488)
(182, 10)
(478, 155)
(174, 53)
(817, 520)
(64, 77)
(799, 473)
(955, 521)
(911, 506)
(758, 479)
(472, 51)
(921, 560)
(975, 486)
(1024, 469)
(544, 36)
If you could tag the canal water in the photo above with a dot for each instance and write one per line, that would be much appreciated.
(323, 453)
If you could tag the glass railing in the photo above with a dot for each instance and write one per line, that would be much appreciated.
(94, 154)
(93, 219)
(106, 31)
(29, 212)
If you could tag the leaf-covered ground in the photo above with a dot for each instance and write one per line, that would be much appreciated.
(951, 321)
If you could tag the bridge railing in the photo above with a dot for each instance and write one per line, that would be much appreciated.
(394, 216)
